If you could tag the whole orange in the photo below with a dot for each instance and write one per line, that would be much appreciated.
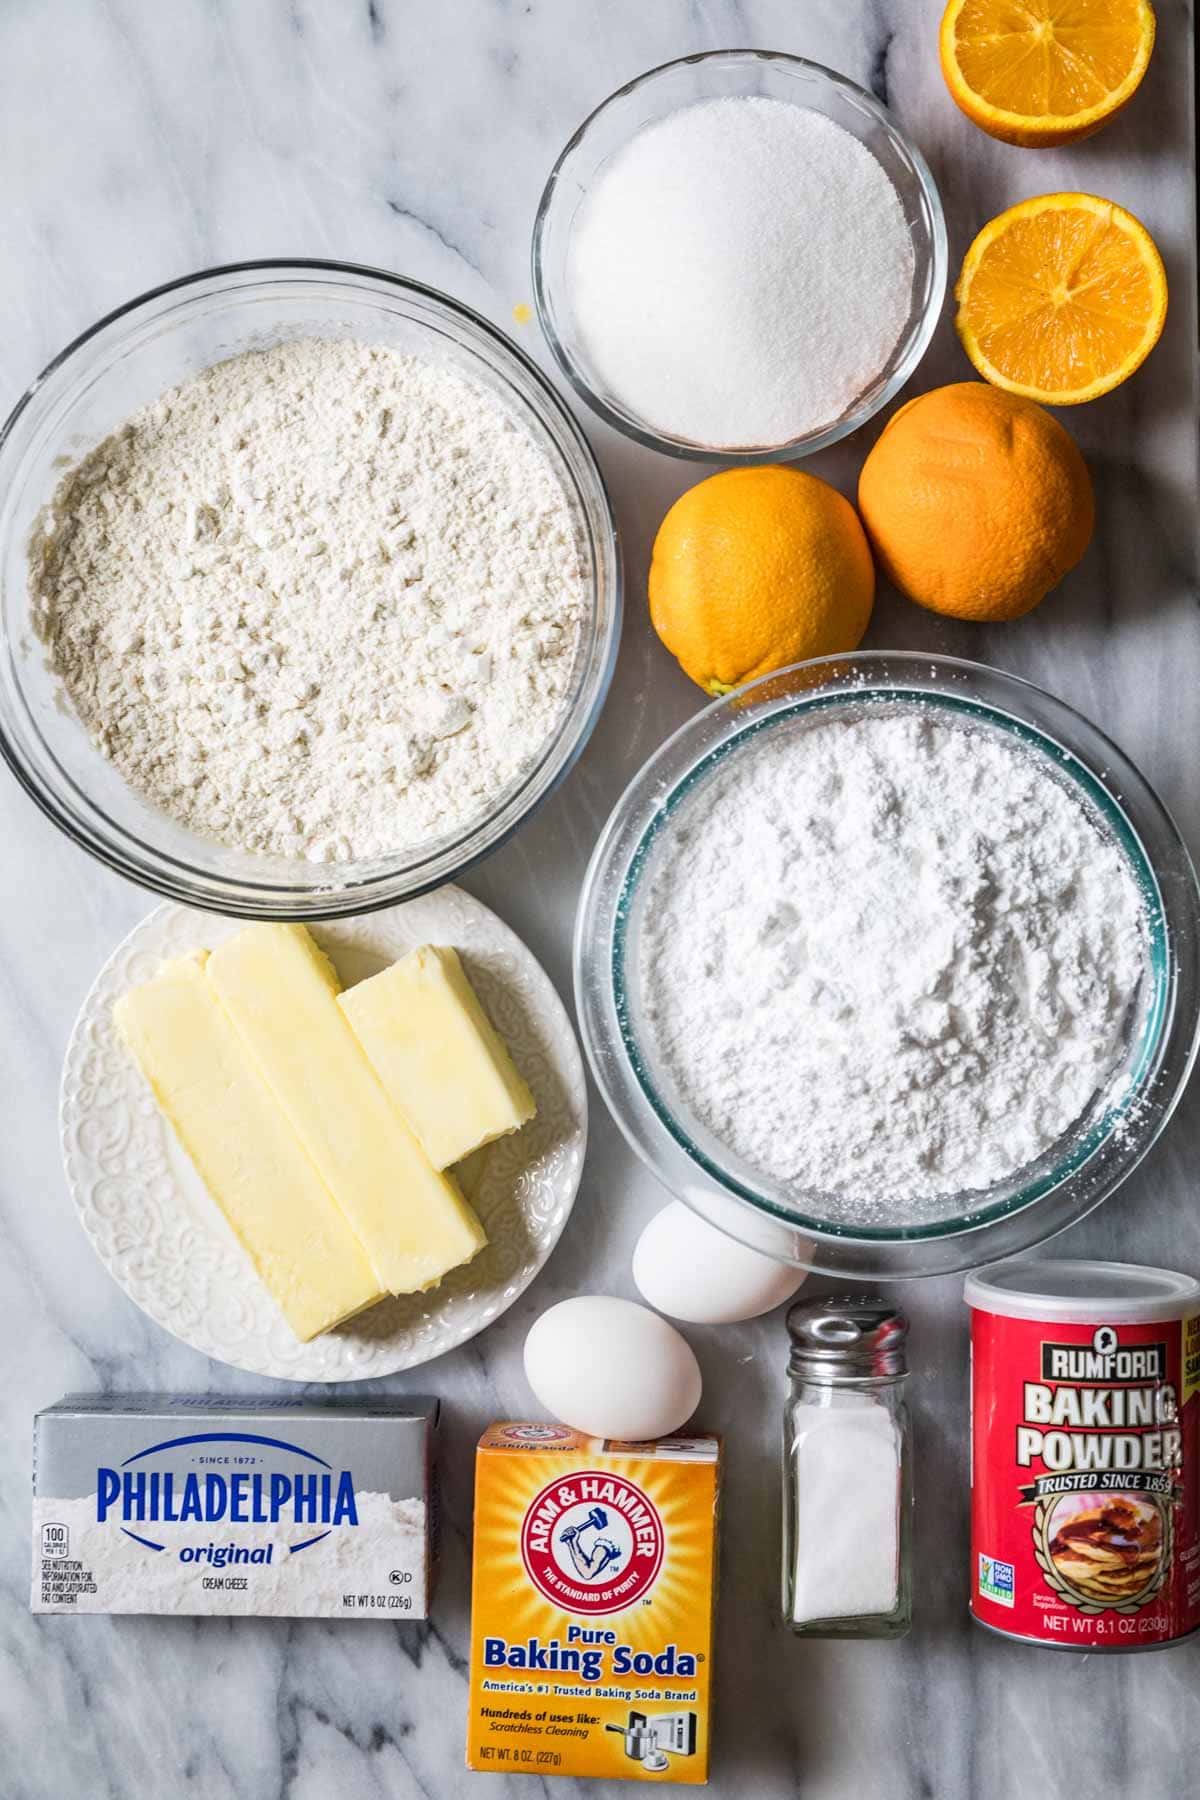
(976, 501)
(754, 569)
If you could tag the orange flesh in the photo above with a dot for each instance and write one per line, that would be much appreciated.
(1061, 299)
(1047, 58)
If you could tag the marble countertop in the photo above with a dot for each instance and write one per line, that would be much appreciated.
(140, 142)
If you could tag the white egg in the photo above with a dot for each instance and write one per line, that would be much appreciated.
(611, 1368)
(686, 1267)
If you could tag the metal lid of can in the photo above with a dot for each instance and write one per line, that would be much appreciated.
(1082, 1292)
(848, 1338)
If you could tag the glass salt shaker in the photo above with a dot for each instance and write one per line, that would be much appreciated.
(847, 1480)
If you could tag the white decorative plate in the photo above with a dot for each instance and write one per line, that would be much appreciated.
(164, 1240)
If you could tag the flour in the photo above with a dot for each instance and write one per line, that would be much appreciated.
(889, 958)
(740, 271)
(105, 1570)
(322, 601)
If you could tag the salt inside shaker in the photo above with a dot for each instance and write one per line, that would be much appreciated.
(847, 1489)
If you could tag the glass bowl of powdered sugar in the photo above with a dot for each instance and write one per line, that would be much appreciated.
(739, 255)
(310, 589)
(890, 965)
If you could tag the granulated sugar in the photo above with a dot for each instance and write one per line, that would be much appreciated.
(889, 958)
(740, 272)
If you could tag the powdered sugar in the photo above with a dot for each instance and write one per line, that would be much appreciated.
(740, 271)
(321, 601)
(889, 958)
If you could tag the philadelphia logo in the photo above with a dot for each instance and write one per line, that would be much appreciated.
(319, 1496)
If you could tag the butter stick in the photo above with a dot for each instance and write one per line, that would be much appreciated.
(245, 1151)
(281, 994)
(438, 1055)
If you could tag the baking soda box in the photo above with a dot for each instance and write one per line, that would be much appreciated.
(592, 1604)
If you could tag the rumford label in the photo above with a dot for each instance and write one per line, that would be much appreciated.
(157, 1504)
(592, 1604)
(1085, 1501)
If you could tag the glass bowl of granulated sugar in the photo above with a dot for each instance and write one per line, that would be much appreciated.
(310, 589)
(739, 255)
(890, 965)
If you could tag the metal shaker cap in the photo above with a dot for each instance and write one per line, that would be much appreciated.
(848, 1338)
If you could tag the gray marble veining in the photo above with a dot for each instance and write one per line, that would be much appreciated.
(141, 140)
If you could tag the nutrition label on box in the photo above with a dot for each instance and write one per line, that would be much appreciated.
(63, 1578)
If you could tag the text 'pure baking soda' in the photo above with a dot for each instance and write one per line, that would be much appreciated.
(1085, 1464)
(592, 1604)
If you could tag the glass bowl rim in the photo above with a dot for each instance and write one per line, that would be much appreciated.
(1162, 1016)
(808, 443)
(149, 866)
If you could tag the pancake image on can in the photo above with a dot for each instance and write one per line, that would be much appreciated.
(1110, 1554)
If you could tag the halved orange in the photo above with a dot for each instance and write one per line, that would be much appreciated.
(1061, 298)
(1043, 72)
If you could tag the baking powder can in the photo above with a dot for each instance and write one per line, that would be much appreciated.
(1085, 1453)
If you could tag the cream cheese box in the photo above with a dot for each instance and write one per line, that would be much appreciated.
(166, 1504)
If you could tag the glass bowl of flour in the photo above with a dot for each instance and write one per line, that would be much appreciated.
(740, 256)
(310, 589)
(890, 965)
